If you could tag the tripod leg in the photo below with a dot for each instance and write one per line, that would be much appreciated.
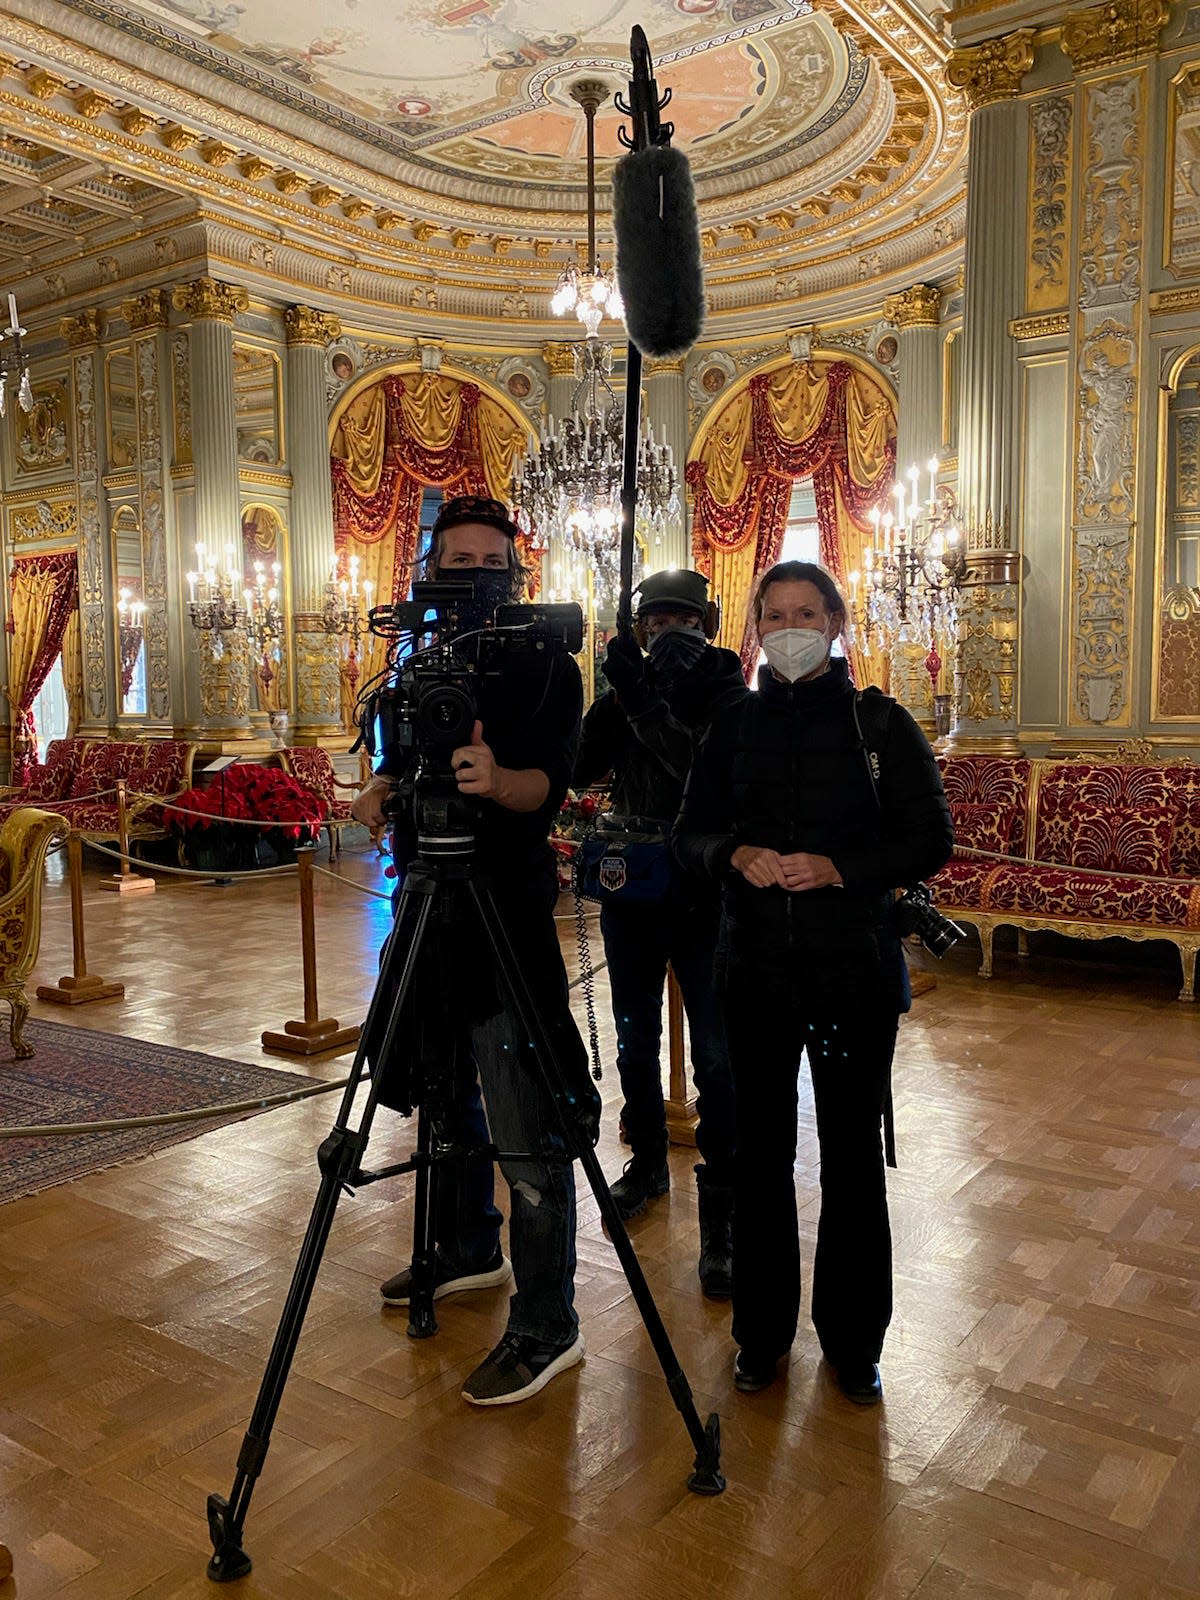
(422, 1322)
(706, 1477)
(338, 1158)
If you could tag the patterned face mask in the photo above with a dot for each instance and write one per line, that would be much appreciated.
(676, 650)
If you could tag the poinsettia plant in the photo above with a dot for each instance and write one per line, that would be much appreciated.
(266, 795)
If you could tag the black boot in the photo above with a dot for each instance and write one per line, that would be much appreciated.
(716, 1237)
(644, 1177)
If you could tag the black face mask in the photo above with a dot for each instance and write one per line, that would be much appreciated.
(493, 586)
(675, 651)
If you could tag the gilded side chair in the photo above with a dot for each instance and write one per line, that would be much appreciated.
(25, 837)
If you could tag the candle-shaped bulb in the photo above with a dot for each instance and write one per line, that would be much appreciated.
(13, 324)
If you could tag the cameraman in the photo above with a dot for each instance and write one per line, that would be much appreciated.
(781, 809)
(643, 733)
(517, 766)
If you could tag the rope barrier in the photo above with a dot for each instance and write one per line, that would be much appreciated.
(1060, 866)
(238, 822)
(169, 1118)
(349, 883)
(191, 872)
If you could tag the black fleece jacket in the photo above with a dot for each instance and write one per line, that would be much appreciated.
(649, 754)
(785, 770)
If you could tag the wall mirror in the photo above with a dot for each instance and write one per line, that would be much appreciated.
(121, 385)
(257, 400)
(263, 559)
(1181, 233)
(129, 588)
(1177, 547)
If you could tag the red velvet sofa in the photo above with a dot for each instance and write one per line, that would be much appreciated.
(77, 772)
(1088, 847)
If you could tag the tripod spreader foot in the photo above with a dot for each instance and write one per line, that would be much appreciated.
(229, 1560)
(707, 1477)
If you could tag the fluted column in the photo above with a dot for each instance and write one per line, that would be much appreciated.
(986, 666)
(666, 407)
(915, 313)
(224, 663)
(82, 336)
(311, 551)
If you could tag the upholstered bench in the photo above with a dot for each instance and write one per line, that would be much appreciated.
(1090, 848)
(78, 780)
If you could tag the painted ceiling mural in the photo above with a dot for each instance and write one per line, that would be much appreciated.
(482, 85)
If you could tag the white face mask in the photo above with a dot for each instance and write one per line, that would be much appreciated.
(795, 652)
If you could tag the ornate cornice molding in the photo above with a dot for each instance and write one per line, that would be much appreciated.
(147, 310)
(206, 300)
(305, 326)
(918, 307)
(1119, 31)
(993, 70)
(1053, 325)
(86, 328)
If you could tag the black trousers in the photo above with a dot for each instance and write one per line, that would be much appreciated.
(850, 1057)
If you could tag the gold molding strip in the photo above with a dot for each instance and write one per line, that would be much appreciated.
(1051, 326)
(1163, 301)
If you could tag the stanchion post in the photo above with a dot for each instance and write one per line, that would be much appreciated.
(82, 985)
(126, 881)
(314, 1035)
(680, 1103)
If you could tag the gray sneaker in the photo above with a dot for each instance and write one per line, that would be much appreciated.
(517, 1368)
(397, 1291)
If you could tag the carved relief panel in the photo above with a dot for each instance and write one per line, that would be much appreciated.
(1181, 226)
(1047, 269)
(43, 433)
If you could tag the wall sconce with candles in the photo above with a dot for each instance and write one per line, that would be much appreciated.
(345, 615)
(213, 607)
(264, 620)
(13, 361)
(912, 571)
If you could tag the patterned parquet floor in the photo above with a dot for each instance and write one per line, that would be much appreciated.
(1039, 1437)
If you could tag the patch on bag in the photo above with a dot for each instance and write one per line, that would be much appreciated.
(612, 873)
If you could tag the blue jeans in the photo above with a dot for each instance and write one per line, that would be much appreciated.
(542, 1191)
(639, 942)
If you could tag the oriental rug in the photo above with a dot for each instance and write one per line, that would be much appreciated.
(80, 1075)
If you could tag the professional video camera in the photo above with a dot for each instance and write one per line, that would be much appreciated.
(426, 706)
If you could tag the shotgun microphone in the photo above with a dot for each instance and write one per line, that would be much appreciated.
(659, 270)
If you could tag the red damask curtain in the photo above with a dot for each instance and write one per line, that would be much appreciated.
(406, 433)
(44, 595)
(825, 421)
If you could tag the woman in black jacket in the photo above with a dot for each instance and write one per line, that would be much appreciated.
(781, 808)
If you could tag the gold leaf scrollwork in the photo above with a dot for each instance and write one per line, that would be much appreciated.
(992, 71)
(207, 300)
(1119, 31)
(918, 307)
(305, 326)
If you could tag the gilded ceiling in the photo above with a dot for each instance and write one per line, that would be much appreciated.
(419, 134)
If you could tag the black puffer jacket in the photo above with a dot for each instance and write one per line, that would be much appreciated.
(785, 771)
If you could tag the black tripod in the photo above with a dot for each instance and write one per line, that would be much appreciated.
(440, 881)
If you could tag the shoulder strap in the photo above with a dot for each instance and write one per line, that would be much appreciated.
(871, 708)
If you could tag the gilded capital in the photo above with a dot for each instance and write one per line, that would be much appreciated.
(86, 328)
(206, 300)
(559, 359)
(1119, 31)
(918, 307)
(305, 326)
(993, 70)
(148, 310)
(659, 366)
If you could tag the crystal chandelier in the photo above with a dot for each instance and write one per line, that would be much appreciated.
(912, 572)
(570, 486)
(13, 361)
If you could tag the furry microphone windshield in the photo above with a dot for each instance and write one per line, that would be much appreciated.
(659, 269)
